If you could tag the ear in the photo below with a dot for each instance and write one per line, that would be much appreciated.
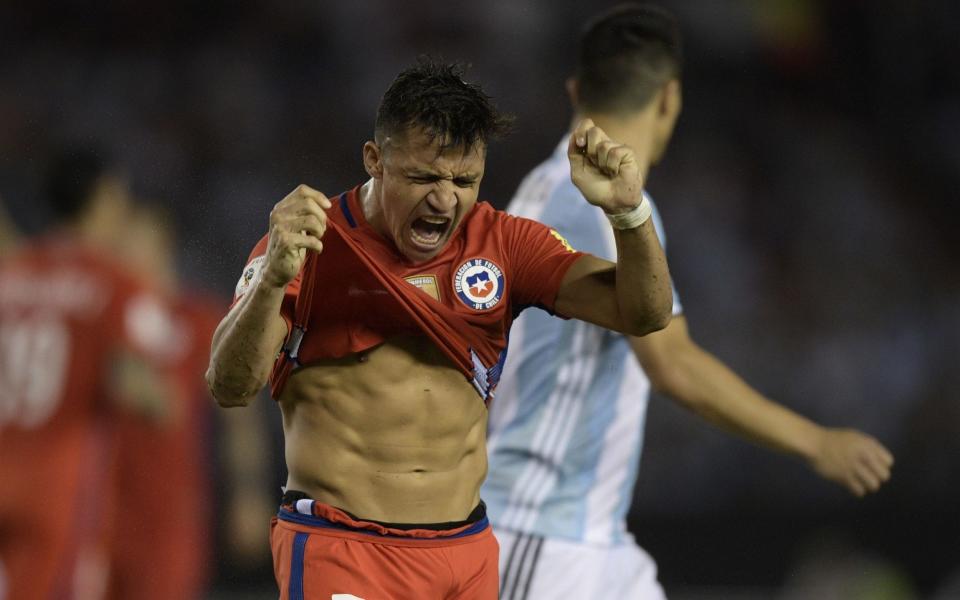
(671, 99)
(373, 160)
(573, 91)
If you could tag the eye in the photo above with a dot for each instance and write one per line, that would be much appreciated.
(464, 183)
(423, 178)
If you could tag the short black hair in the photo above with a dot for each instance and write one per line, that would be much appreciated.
(626, 55)
(432, 96)
(71, 178)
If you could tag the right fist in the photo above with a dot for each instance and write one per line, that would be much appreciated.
(297, 223)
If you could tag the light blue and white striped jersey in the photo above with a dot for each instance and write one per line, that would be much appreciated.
(566, 425)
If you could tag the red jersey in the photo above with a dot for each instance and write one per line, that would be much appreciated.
(162, 533)
(65, 311)
(360, 290)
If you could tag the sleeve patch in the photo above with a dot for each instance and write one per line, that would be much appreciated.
(251, 273)
(562, 240)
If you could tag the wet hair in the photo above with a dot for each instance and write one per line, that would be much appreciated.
(433, 97)
(71, 178)
(626, 55)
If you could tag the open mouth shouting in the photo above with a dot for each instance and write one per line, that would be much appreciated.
(429, 231)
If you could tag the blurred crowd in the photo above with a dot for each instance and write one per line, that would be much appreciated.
(809, 201)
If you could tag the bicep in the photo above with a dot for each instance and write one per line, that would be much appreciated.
(655, 349)
(666, 355)
(588, 292)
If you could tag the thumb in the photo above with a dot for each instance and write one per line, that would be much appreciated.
(575, 153)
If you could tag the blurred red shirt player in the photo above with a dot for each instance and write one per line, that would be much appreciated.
(162, 536)
(79, 341)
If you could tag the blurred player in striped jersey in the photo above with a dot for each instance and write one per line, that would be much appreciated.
(566, 428)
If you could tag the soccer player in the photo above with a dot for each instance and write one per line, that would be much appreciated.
(160, 548)
(567, 426)
(389, 306)
(80, 344)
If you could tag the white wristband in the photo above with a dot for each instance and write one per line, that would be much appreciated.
(635, 217)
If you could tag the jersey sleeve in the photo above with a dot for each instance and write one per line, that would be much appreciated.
(539, 258)
(251, 275)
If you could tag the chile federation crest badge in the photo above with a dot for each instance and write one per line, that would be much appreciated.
(479, 284)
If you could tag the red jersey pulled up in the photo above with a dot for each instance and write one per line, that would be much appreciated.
(360, 291)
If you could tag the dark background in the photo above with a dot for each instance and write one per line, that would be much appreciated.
(809, 197)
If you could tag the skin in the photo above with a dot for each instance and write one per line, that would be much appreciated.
(136, 385)
(397, 433)
(148, 244)
(679, 368)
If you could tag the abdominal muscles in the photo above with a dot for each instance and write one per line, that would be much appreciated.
(397, 435)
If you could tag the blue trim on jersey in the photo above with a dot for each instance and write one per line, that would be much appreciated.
(345, 208)
(290, 516)
(295, 589)
(485, 380)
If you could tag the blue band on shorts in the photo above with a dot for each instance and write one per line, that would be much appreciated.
(288, 515)
(295, 590)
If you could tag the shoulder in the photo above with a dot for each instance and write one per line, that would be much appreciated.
(504, 224)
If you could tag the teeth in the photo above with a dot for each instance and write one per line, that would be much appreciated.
(435, 220)
(429, 240)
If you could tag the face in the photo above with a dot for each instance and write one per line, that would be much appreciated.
(421, 190)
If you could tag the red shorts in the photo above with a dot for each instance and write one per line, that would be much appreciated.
(322, 553)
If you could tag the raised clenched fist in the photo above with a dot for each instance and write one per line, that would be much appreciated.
(606, 172)
(297, 224)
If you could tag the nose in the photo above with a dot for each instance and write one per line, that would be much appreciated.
(443, 197)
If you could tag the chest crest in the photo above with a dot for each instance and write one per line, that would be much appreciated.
(426, 283)
(479, 284)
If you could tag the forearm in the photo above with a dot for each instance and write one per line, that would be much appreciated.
(712, 390)
(245, 346)
(644, 294)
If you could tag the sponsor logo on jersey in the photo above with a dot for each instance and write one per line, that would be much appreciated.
(249, 276)
(562, 240)
(427, 283)
(479, 284)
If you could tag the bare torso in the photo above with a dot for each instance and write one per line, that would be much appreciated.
(394, 434)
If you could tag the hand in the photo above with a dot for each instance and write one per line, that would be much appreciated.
(297, 223)
(607, 173)
(852, 459)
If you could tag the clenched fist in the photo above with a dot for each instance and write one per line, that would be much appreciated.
(606, 172)
(297, 224)
(852, 459)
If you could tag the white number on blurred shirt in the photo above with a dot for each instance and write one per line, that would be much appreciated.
(33, 364)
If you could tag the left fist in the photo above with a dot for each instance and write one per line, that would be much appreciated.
(607, 173)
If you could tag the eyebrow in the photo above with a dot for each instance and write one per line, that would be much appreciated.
(421, 173)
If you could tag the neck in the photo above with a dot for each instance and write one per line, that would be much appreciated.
(92, 230)
(370, 204)
(634, 130)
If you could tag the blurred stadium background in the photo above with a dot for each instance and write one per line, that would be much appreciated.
(810, 201)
